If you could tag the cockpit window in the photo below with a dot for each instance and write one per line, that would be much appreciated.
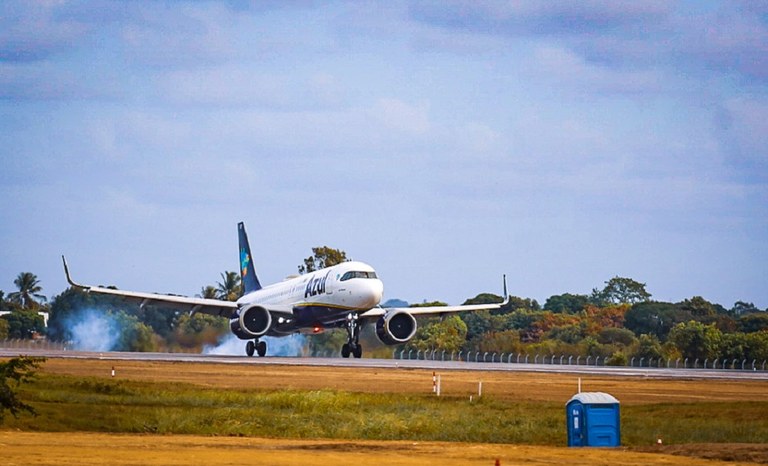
(357, 274)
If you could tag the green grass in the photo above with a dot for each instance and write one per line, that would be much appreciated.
(67, 403)
(728, 422)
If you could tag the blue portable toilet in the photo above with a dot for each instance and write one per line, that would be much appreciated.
(593, 420)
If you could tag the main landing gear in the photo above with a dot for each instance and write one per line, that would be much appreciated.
(257, 346)
(352, 346)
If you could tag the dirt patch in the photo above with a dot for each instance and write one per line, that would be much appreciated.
(335, 446)
(735, 452)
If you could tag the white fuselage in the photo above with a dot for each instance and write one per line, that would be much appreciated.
(347, 286)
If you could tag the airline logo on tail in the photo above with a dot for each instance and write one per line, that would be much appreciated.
(245, 258)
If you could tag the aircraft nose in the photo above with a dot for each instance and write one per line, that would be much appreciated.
(375, 291)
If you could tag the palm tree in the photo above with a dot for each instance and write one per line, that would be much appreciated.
(209, 292)
(229, 288)
(29, 290)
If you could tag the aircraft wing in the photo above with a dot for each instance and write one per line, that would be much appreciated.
(192, 305)
(434, 310)
(438, 310)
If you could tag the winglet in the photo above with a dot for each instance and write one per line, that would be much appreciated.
(506, 295)
(69, 277)
(505, 285)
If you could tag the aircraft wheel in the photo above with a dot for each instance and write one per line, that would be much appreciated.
(345, 350)
(358, 351)
(249, 348)
(261, 348)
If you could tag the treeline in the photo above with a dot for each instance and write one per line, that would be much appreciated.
(109, 322)
(616, 323)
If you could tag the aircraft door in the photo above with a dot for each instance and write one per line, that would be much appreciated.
(330, 283)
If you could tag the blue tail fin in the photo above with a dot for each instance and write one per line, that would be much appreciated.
(247, 273)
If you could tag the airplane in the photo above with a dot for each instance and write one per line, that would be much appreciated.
(346, 295)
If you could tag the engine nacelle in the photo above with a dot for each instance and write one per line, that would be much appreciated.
(252, 322)
(396, 327)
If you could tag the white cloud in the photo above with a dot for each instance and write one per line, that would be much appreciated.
(564, 67)
(733, 39)
(31, 31)
(742, 127)
(221, 87)
(397, 115)
(750, 126)
(189, 34)
(477, 139)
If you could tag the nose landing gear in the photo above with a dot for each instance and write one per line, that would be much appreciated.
(352, 346)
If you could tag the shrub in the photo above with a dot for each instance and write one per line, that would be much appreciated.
(617, 359)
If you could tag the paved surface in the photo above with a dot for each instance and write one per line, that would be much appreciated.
(398, 363)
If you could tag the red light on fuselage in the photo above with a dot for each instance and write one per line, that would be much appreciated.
(317, 329)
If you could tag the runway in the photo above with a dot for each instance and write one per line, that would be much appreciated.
(660, 373)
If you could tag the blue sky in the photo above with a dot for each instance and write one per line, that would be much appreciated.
(445, 143)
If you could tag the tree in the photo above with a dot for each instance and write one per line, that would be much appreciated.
(606, 316)
(321, 258)
(572, 333)
(29, 290)
(741, 308)
(566, 303)
(446, 334)
(696, 340)
(3, 303)
(133, 335)
(24, 323)
(757, 346)
(698, 307)
(329, 340)
(477, 323)
(507, 341)
(161, 319)
(619, 290)
(429, 304)
(66, 306)
(734, 346)
(3, 329)
(612, 335)
(749, 346)
(484, 298)
(199, 329)
(753, 322)
(229, 288)
(648, 347)
(618, 358)
(653, 317)
(209, 292)
(517, 303)
(487, 298)
(18, 370)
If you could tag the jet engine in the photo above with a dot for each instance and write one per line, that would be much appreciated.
(252, 322)
(396, 327)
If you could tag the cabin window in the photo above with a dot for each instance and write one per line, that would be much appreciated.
(357, 274)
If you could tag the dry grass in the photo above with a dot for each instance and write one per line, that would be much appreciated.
(23, 448)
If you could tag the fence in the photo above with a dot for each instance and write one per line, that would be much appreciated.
(41, 344)
(490, 357)
(570, 360)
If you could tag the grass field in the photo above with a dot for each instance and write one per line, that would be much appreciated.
(335, 415)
